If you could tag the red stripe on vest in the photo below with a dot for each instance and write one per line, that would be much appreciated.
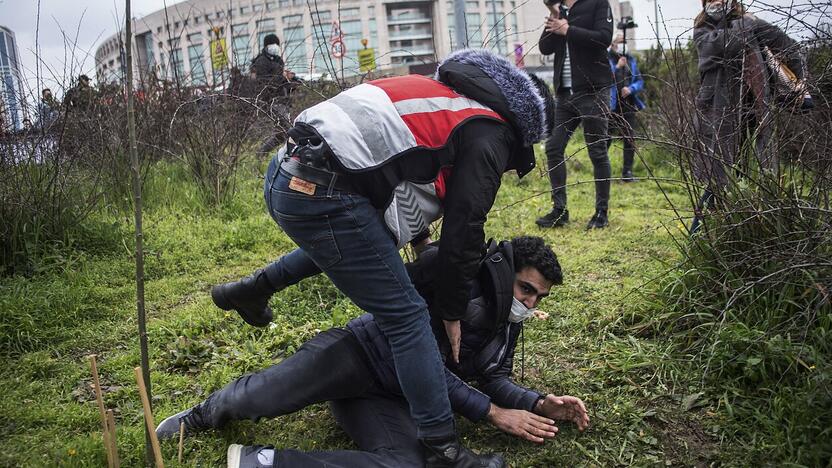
(432, 129)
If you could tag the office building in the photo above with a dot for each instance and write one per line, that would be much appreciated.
(12, 97)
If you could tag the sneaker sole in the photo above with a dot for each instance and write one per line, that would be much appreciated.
(235, 453)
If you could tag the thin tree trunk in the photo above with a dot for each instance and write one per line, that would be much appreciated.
(137, 210)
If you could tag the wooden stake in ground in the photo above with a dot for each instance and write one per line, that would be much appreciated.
(111, 423)
(148, 419)
(99, 399)
(181, 439)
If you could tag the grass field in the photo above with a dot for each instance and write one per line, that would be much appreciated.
(646, 408)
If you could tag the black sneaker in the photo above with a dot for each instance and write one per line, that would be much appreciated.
(250, 456)
(598, 220)
(558, 217)
(170, 426)
(627, 176)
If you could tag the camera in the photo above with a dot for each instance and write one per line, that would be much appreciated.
(627, 23)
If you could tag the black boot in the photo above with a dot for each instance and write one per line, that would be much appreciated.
(558, 217)
(448, 452)
(627, 176)
(249, 297)
(598, 220)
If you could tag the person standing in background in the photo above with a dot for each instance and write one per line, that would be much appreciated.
(625, 103)
(578, 33)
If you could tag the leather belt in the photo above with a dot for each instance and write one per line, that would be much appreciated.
(321, 177)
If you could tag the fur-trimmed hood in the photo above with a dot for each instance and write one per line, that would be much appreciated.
(495, 82)
(525, 107)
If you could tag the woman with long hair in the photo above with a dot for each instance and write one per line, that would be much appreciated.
(735, 96)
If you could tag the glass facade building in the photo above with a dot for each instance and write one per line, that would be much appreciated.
(12, 96)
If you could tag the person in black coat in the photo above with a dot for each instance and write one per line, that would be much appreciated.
(578, 33)
(268, 66)
(353, 369)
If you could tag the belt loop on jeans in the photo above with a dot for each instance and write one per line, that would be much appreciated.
(331, 186)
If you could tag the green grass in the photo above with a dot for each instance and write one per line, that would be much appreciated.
(645, 402)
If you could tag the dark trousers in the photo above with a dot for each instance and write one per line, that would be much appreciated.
(589, 110)
(331, 367)
(346, 238)
(624, 122)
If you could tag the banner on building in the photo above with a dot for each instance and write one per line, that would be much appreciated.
(219, 55)
(366, 59)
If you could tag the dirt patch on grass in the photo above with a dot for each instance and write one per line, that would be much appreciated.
(685, 442)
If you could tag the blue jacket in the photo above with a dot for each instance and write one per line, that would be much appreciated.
(635, 82)
(486, 352)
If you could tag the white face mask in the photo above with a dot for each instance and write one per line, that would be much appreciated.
(273, 50)
(716, 11)
(519, 312)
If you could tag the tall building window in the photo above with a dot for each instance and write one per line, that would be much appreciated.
(240, 45)
(177, 64)
(294, 40)
(322, 31)
(148, 51)
(352, 41)
(472, 23)
(195, 59)
(495, 26)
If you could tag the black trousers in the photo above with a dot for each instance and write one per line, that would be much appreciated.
(331, 367)
(589, 110)
(623, 120)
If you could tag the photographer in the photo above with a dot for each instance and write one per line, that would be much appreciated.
(625, 102)
(735, 93)
(578, 32)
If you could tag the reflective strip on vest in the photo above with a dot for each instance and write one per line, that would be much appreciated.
(369, 124)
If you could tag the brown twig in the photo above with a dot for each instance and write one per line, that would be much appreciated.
(99, 399)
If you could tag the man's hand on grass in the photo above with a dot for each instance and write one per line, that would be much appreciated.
(564, 408)
(522, 423)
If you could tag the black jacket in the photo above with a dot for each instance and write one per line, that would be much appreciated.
(270, 80)
(486, 352)
(589, 36)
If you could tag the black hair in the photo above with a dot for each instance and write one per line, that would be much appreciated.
(532, 251)
(548, 101)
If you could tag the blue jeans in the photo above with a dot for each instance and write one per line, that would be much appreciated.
(346, 238)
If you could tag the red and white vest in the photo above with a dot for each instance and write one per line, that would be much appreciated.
(369, 124)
